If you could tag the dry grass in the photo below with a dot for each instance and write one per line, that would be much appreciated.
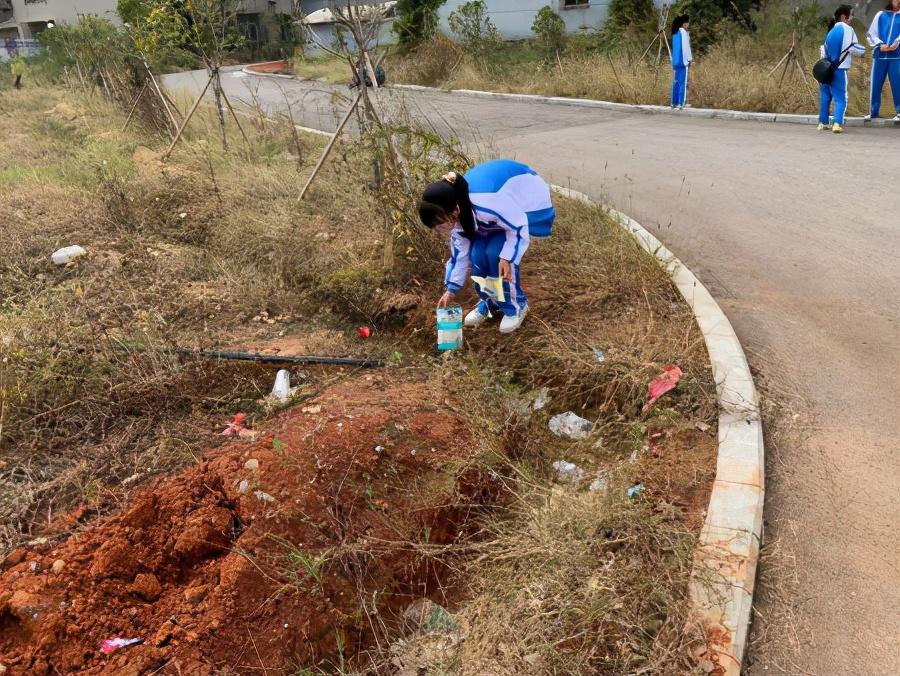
(733, 74)
(191, 251)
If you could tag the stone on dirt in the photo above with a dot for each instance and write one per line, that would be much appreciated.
(568, 472)
(570, 425)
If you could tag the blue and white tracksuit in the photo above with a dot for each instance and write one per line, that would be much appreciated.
(885, 30)
(511, 204)
(840, 39)
(681, 61)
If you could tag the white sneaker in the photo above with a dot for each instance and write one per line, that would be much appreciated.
(511, 322)
(475, 318)
(896, 118)
(866, 118)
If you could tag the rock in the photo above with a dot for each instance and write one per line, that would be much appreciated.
(263, 496)
(702, 426)
(147, 586)
(599, 484)
(195, 595)
(252, 465)
(312, 409)
(424, 616)
(14, 558)
(57, 566)
(204, 534)
(244, 486)
(570, 425)
(568, 472)
(115, 558)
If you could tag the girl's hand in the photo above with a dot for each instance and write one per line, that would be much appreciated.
(506, 270)
(446, 299)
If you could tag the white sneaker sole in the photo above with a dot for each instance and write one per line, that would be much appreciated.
(521, 318)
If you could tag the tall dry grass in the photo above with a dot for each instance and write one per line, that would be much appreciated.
(732, 75)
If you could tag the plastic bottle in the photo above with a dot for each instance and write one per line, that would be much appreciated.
(282, 388)
(449, 328)
(66, 254)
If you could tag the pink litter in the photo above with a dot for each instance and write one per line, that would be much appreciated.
(111, 645)
(236, 428)
(665, 381)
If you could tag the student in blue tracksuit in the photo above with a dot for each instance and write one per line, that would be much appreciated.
(840, 46)
(681, 59)
(884, 38)
(489, 215)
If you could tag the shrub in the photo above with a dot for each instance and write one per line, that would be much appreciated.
(550, 32)
(416, 21)
(474, 28)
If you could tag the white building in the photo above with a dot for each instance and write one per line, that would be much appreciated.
(24, 19)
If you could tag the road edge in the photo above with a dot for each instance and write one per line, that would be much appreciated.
(726, 560)
(709, 113)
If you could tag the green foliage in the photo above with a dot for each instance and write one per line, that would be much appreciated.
(132, 11)
(550, 32)
(474, 28)
(416, 21)
(91, 47)
(631, 14)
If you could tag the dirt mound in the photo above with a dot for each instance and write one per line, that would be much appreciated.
(292, 547)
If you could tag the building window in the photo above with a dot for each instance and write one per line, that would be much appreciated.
(575, 4)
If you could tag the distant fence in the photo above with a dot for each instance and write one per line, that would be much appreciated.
(10, 49)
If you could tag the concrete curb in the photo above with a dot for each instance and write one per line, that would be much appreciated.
(726, 559)
(703, 113)
(708, 113)
(246, 70)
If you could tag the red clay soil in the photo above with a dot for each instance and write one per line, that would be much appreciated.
(193, 565)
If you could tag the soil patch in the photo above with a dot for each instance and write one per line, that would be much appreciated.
(276, 552)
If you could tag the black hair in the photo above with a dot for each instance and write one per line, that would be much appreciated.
(440, 199)
(889, 7)
(679, 21)
(843, 10)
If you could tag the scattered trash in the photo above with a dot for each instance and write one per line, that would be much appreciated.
(252, 464)
(182, 215)
(243, 486)
(449, 328)
(637, 489)
(598, 484)
(236, 428)
(599, 354)
(111, 645)
(703, 427)
(379, 449)
(263, 497)
(364, 332)
(67, 254)
(570, 425)
(282, 389)
(665, 381)
(634, 455)
(312, 409)
(568, 472)
(412, 452)
(541, 399)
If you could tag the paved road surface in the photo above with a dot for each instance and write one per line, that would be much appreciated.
(797, 234)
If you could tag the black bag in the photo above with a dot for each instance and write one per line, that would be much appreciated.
(824, 69)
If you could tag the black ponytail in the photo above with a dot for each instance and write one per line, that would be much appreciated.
(466, 211)
(440, 199)
(678, 22)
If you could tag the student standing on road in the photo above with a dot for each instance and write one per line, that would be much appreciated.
(884, 38)
(840, 45)
(681, 59)
(489, 215)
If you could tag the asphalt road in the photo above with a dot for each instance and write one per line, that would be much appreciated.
(797, 235)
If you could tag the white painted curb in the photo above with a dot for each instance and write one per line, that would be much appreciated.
(725, 563)
(708, 113)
